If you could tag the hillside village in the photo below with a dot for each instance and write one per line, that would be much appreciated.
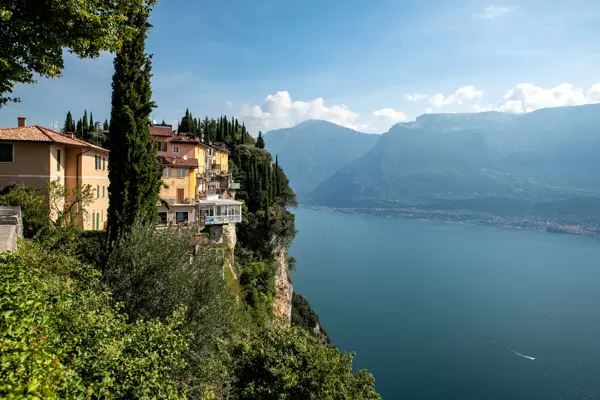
(197, 189)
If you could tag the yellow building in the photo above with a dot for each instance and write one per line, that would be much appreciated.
(34, 155)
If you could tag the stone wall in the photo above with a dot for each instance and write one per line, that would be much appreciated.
(11, 228)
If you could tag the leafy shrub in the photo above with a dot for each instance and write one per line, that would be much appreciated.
(34, 210)
(277, 363)
(61, 337)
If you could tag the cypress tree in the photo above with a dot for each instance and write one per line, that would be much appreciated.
(68, 123)
(260, 142)
(85, 126)
(163, 123)
(92, 127)
(79, 128)
(105, 126)
(135, 176)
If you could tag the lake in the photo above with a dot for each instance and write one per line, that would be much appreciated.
(431, 308)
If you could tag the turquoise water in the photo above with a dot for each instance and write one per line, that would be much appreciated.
(429, 307)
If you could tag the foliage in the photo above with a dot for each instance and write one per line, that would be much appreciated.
(266, 193)
(258, 285)
(304, 316)
(34, 210)
(221, 130)
(288, 363)
(135, 176)
(153, 273)
(60, 337)
(34, 35)
(260, 141)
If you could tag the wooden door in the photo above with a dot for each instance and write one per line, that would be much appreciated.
(180, 196)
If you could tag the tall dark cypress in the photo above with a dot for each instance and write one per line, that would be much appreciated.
(79, 128)
(260, 142)
(135, 176)
(68, 123)
(105, 126)
(92, 123)
(85, 125)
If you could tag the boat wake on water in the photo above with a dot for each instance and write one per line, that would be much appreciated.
(513, 351)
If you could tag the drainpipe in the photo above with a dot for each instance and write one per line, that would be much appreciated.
(77, 158)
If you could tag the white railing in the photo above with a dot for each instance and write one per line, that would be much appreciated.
(222, 219)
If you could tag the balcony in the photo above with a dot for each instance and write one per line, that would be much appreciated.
(219, 212)
(175, 201)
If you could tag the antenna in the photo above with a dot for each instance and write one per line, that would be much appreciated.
(54, 125)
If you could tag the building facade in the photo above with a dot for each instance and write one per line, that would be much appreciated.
(34, 156)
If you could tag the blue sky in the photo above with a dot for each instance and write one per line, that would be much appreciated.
(362, 64)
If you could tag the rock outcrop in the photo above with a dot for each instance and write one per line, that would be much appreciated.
(282, 307)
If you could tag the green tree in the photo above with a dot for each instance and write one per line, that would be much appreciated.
(85, 124)
(135, 176)
(69, 125)
(289, 363)
(79, 128)
(260, 142)
(34, 210)
(105, 126)
(34, 35)
(92, 123)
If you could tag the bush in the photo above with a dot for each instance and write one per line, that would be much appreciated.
(60, 337)
(34, 210)
(277, 363)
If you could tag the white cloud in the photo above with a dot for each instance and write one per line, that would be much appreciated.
(526, 97)
(279, 111)
(461, 95)
(493, 12)
(593, 94)
(415, 96)
(229, 103)
(428, 110)
(390, 115)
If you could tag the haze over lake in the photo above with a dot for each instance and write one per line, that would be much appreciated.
(430, 307)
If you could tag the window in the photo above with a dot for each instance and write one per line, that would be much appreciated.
(103, 191)
(58, 160)
(162, 217)
(167, 172)
(7, 152)
(180, 173)
(181, 216)
(103, 163)
(97, 162)
(97, 221)
(175, 149)
(162, 146)
(97, 191)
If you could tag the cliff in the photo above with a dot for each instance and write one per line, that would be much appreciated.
(282, 306)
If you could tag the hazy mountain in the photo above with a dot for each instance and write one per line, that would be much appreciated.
(314, 150)
(530, 163)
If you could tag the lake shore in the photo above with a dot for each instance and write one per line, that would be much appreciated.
(465, 217)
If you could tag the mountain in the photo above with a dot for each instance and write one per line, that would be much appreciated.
(544, 162)
(314, 150)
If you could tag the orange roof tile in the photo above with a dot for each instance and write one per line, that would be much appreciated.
(36, 133)
(161, 130)
(178, 162)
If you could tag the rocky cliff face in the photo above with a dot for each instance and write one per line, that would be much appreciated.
(282, 307)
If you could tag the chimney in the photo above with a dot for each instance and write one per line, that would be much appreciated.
(22, 121)
(70, 135)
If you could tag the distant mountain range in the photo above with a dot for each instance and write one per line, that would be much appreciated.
(542, 163)
(314, 150)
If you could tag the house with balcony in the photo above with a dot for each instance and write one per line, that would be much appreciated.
(34, 155)
(197, 182)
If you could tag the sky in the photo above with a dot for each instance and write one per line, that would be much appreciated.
(362, 64)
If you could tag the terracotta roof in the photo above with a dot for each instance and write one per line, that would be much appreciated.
(161, 130)
(178, 162)
(177, 139)
(36, 133)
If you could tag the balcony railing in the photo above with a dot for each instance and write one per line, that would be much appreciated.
(176, 201)
(222, 219)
